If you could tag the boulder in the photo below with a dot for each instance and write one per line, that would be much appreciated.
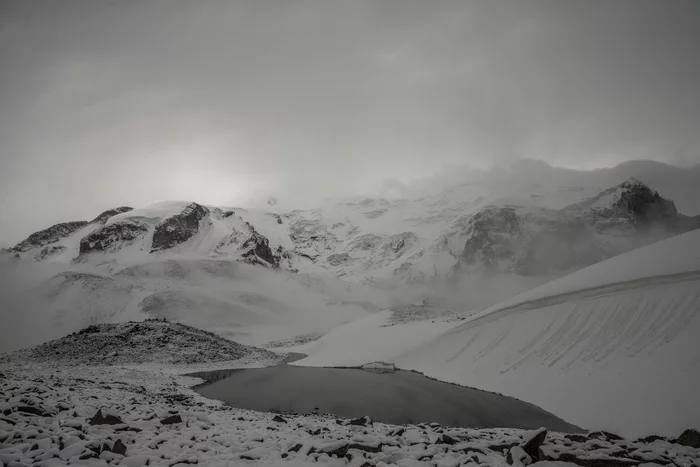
(446, 439)
(119, 447)
(172, 419)
(362, 421)
(518, 456)
(690, 438)
(99, 419)
(532, 445)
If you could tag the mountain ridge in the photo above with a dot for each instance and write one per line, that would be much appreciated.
(377, 240)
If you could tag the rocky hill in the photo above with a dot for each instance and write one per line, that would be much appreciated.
(150, 341)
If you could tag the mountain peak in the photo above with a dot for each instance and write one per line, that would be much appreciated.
(633, 182)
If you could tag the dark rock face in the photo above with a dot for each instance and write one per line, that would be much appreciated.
(102, 218)
(338, 258)
(643, 203)
(536, 242)
(119, 448)
(50, 235)
(491, 234)
(178, 228)
(112, 237)
(256, 250)
(690, 438)
(631, 203)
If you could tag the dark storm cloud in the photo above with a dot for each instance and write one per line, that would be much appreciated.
(130, 102)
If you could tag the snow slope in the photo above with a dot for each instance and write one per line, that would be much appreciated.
(379, 340)
(601, 347)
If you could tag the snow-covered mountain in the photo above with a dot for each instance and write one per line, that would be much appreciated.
(408, 279)
(377, 240)
(472, 244)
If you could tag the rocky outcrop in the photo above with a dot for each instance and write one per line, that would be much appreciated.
(338, 258)
(690, 438)
(50, 235)
(311, 237)
(112, 237)
(631, 204)
(256, 250)
(104, 217)
(99, 419)
(178, 228)
(493, 236)
(540, 242)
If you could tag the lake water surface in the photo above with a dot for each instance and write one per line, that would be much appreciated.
(398, 397)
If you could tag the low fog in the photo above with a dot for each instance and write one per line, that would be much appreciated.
(25, 317)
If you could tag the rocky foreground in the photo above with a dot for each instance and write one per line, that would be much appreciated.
(113, 394)
(99, 416)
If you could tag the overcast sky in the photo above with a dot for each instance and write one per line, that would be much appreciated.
(105, 103)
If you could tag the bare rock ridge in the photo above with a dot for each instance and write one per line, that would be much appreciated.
(150, 341)
(256, 250)
(178, 228)
(113, 236)
(50, 235)
(504, 238)
(104, 217)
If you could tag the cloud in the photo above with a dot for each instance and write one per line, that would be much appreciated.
(105, 104)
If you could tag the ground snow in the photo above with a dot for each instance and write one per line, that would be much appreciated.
(367, 340)
(626, 362)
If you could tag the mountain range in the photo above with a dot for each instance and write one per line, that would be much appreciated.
(499, 280)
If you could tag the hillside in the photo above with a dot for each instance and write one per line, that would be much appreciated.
(145, 342)
(612, 346)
